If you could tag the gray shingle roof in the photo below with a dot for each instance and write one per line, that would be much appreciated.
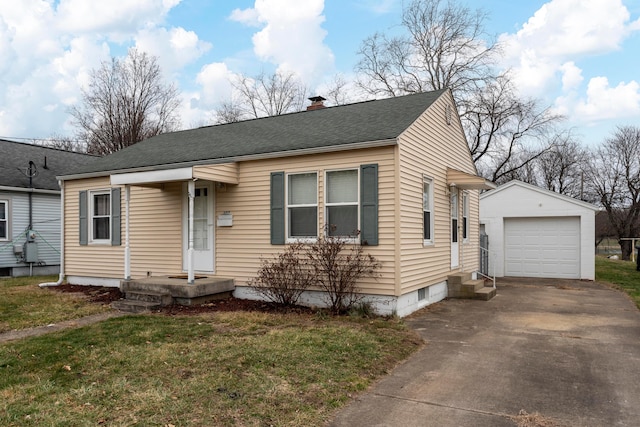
(329, 127)
(14, 162)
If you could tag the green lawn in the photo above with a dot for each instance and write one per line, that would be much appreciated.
(622, 274)
(24, 305)
(238, 368)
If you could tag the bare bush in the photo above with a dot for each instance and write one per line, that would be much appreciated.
(338, 268)
(285, 277)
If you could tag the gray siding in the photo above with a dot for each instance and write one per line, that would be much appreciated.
(46, 223)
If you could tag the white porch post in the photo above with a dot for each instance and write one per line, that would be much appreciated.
(192, 192)
(127, 248)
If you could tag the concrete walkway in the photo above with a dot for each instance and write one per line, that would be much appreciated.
(74, 323)
(559, 353)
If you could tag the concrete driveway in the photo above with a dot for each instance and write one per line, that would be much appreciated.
(541, 353)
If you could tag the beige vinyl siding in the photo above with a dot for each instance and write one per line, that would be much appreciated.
(156, 229)
(427, 148)
(88, 260)
(226, 172)
(240, 247)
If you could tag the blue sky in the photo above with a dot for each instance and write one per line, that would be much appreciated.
(580, 57)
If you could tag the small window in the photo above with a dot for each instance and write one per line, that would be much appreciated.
(302, 205)
(465, 217)
(100, 206)
(4, 220)
(342, 202)
(454, 217)
(427, 210)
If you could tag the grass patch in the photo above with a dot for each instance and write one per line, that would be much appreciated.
(237, 368)
(23, 304)
(622, 274)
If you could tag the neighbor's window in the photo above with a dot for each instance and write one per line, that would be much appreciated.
(465, 216)
(302, 205)
(4, 220)
(342, 202)
(427, 210)
(100, 216)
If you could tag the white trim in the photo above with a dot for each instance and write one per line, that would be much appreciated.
(248, 157)
(127, 243)
(288, 237)
(28, 190)
(181, 174)
(7, 220)
(327, 205)
(465, 218)
(428, 242)
(91, 215)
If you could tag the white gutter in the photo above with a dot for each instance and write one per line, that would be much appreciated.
(61, 276)
(28, 190)
(244, 158)
(127, 244)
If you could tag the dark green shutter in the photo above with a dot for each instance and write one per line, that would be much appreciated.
(277, 208)
(369, 204)
(84, 225)
(115, 217)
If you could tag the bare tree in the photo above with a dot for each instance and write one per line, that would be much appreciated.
(229, 112)
(126, 102)
(562, 167)
(614, 179)
(270, 94)
(337, 91)
(62, 143)
(444, 47)
(505, 132)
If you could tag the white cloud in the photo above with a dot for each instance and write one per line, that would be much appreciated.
(215, 80)
(571, 76)
(605, 102)
(292, 36)
(562, 31)
(174, 47)
(119, 17)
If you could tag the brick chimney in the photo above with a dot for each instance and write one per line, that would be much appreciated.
(316, 103)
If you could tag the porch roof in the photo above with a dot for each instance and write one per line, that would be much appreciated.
(225, 172)
(467, 181)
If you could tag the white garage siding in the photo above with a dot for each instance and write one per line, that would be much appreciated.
(542, 247)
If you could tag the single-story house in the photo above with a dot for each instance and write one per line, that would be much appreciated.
(211, 202)
(535, 232)
(30, 206)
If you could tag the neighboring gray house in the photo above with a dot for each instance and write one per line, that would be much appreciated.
(30, 206)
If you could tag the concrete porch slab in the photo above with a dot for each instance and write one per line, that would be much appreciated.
(203, 289)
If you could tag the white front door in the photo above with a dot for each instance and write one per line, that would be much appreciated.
(203, 226)
(455, 254)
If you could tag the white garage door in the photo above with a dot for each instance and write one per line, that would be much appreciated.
(542, 247)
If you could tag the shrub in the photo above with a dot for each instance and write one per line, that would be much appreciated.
(285, 277)
(337, 269)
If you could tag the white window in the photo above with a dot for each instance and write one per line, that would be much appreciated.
(302, 205)
(100, 220)
(4, 220)
(465, 217)
(427, 210)
(342, 202)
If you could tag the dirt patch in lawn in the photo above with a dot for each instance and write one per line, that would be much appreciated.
(106, 295)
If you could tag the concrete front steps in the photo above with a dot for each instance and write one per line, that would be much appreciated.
(143, 295)
(460, 285)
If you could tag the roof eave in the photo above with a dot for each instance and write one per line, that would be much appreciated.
(249, 157)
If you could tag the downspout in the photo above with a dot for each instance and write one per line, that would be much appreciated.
(127, 244)
(192, 193)
(61, 276)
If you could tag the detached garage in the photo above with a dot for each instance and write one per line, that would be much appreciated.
(534, 232)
